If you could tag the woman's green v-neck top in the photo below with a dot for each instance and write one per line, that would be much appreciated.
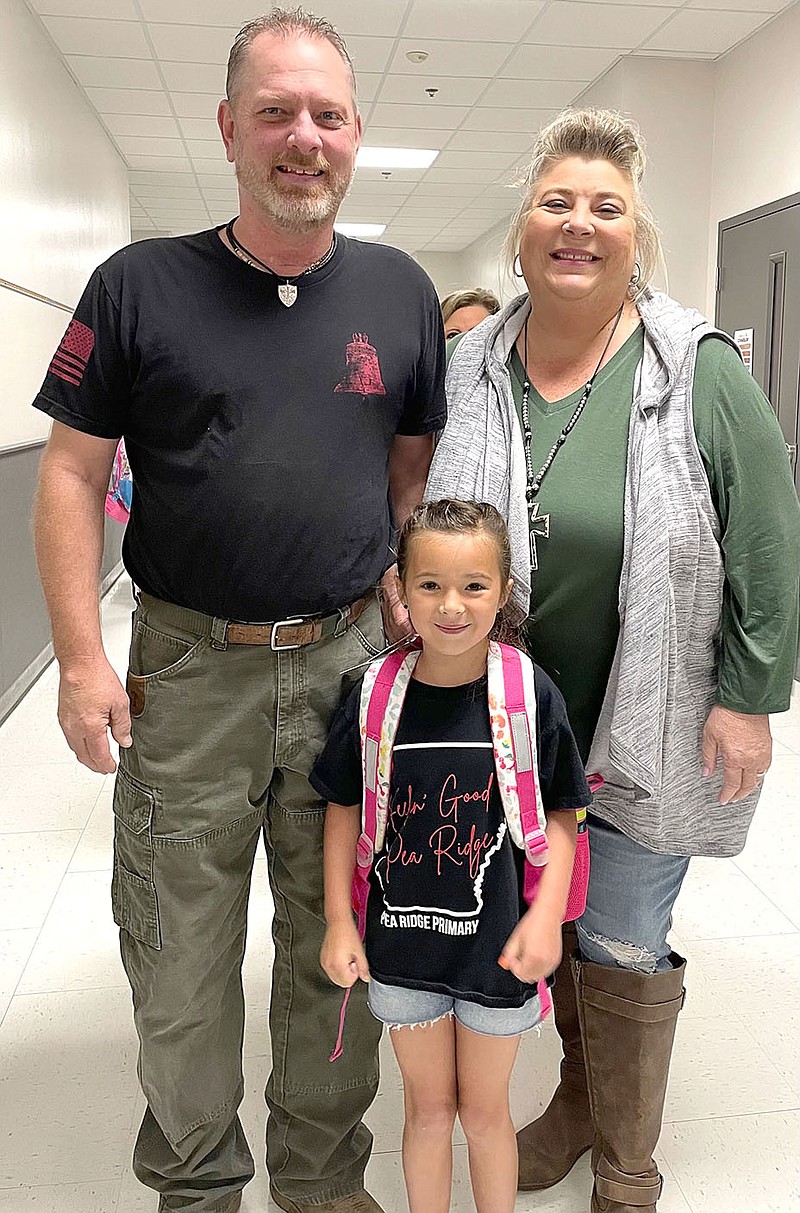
(574, 622)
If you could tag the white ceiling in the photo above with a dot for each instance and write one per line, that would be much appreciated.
(154, 71)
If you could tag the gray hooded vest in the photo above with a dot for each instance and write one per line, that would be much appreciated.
(663, 678)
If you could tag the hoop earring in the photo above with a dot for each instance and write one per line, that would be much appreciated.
(517, 262)
(635, 278)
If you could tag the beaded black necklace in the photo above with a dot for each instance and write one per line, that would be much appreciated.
(540, 524)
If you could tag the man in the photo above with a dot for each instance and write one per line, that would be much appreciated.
(274, 384)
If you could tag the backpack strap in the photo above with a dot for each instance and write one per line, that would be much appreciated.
(512, 710)
(382, 695)
(512, 704)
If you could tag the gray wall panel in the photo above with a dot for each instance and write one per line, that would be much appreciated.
(24, 627)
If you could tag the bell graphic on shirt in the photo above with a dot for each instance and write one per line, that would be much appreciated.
(362, 371)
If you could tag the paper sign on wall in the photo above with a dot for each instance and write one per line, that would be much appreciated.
(744, 340)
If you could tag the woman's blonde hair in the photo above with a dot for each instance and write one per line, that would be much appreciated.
(476, 297)
(593, 134)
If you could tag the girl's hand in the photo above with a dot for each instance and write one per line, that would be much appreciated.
(342, 956)
(533, 949)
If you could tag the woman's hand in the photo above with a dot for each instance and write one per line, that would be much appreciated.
(343, 957)
(743, 743)
(533, 949)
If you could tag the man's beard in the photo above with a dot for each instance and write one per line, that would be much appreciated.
(295, 210)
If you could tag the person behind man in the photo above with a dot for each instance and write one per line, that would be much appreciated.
(273, 395)
(462, 310)
(654, 527)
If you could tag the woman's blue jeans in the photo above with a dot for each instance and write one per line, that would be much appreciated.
(629, 905)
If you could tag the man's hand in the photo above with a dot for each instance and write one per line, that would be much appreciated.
(91, 700)
(743, 743)
(396, 623)
(533, 949)
(343, 957)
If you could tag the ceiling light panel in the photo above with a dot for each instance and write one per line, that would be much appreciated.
(395, 157)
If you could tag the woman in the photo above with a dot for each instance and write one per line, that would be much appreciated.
(646, 486)
(462, 310)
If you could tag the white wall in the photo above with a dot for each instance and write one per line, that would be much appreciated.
(722, 137)
(63, 208)
(446, 271)
(756, 126)
(673, 102)
(477, 265)
(484, 266)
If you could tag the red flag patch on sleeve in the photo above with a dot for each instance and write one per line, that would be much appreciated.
(70, 359)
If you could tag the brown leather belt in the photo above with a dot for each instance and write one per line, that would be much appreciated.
(297, 633)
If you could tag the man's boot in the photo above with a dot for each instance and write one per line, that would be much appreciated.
(628, 1026)
(550, 1146)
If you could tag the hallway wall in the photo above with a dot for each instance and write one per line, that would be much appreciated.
(64, 208)
(722, 138)
(756, 126)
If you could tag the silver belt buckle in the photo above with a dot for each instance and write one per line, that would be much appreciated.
(284, 623)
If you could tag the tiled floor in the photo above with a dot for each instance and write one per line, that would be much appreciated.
(69, 1100)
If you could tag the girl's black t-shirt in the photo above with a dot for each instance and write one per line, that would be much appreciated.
(446, 889)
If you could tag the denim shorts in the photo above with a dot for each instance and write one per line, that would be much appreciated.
(398, 1007)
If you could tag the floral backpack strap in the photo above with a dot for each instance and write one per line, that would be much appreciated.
(382, 693)
(512, 710)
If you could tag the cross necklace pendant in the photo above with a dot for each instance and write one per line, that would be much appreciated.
(540, 529)
(540, 523)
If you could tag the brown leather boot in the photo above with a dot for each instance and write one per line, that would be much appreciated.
(628, 1025)
(550, 1146)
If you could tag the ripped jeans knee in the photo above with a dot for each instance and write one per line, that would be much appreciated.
(631, 895)
(599, 949)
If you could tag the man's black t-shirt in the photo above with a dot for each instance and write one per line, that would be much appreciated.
(258, 435)
(446, 889)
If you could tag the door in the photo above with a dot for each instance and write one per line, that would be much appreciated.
(758, 289)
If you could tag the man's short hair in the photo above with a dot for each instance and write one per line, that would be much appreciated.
(284, 23)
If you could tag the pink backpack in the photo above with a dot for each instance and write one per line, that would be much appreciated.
(512, 711)
(120, 489)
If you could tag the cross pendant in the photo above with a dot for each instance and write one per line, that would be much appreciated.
(540, 528)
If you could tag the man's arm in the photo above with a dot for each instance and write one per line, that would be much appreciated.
(68, 529)
(409, 461)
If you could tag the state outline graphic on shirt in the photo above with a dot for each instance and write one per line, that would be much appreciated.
(477, 884)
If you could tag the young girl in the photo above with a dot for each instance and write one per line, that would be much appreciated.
(453, 955)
